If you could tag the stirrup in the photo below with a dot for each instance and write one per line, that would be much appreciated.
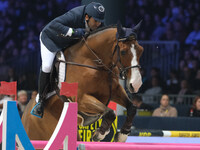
(34, 111)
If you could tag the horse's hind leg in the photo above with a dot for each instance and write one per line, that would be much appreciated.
(104, 129)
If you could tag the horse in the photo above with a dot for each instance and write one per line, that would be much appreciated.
(96, 63)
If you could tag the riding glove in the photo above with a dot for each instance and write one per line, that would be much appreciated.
(79, 32)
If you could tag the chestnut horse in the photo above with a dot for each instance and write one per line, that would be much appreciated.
(96, 63)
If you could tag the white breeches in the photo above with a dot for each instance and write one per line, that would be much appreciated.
(47, 58)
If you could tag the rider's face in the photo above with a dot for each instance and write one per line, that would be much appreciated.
(93, 24)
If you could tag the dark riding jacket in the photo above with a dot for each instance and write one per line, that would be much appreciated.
(51, 35)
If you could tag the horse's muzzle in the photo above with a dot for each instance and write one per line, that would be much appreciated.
(135, 82)
(134, 87)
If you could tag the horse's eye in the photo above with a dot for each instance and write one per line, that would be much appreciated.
(123, 52)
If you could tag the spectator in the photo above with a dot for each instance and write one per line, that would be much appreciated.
(195, 110)
(165, 110)
(4, 72)
(182, 65)
(159, 29)
(194, 36)
(33, 95)
(196, 84)
(168, 16)
(22, 82)
(168, 36)
(173, 83)
(179, 30)
(185, 90)
(188, 75)
(137, 101)
(188, 57)
(22, 101)
(195, 50)
(147, 26)
(155, 72)
(154, 90)
(11, 75)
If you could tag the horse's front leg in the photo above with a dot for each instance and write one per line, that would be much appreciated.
(122, 99)
(91, 105)
(104, 129)
(126, 128)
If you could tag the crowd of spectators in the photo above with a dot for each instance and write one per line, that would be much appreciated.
(20, 26)
(165, 20)
(170, 20)
(22, 21)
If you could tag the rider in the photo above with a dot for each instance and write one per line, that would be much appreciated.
(59, 34)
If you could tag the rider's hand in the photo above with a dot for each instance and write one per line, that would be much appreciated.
(79, 32)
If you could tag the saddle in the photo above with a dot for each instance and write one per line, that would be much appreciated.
(57, 76)
(58, 72)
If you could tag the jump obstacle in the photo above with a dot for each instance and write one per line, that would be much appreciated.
(65, 135)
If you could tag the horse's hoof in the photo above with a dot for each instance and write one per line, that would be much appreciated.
(120, 137)
(97, 136)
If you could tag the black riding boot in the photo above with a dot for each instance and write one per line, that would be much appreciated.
(43, 83)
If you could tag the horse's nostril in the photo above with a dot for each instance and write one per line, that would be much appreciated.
(131, 86)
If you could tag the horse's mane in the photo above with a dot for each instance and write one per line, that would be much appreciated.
(103, 28)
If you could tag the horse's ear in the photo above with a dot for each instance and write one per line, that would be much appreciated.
(120, 30)
(137, 27)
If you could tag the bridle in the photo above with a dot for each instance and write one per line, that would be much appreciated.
(122, 70)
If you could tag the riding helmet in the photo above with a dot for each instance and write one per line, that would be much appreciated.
(95, 10)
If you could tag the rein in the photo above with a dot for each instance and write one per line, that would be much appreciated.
(123, 70)
(77, 64)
